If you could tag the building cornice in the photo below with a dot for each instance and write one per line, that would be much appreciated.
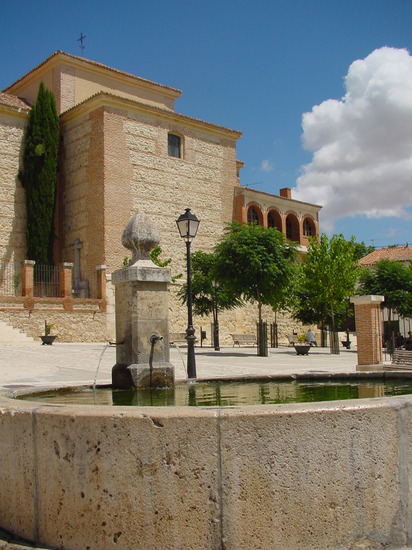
(91, 66)
(13, 111)
(247, 192)
(105, 99)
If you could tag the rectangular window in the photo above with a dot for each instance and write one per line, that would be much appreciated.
(174, 145)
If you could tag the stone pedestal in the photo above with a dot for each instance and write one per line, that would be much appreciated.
(142, 331)
(368, 319)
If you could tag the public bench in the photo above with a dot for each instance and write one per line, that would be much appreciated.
(293, 339)
(180, 338)
(243, 339)
(177, 338)
(402, 359)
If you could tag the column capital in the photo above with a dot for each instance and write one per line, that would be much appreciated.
(369, 299)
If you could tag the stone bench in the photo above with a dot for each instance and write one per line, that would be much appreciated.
(402, 359)
(243, 339)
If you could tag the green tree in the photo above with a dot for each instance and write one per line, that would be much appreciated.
(362, 250)
(39, 176)
(327, 278)
(255, 263)
(392, 279)
(155, 257)
(209, 295)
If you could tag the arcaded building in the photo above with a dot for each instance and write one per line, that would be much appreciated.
(124, 149)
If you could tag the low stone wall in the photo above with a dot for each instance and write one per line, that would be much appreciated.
(78, 320)
(309, 476)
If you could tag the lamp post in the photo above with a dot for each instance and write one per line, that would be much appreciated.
(216, 320)
(188, 224)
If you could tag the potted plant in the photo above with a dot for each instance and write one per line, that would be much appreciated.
(48, 338)
(302, 347)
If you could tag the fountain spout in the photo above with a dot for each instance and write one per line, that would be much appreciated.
(155, 338)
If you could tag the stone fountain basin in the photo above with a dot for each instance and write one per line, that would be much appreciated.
(303, 476)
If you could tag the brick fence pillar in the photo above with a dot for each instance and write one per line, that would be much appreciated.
(101, 281)
(27, 280)
(66, 279)
(368, 319)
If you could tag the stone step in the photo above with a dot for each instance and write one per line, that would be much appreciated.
(10, 335)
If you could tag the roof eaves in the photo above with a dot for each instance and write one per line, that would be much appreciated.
(240, 187)
(106, 96)
(13, 102)
(173, 91)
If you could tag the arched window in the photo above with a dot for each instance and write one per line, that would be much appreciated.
(307, 228)
(271, 221)
(289, 229)
(274, 220)
(292, 228)
(252, 215)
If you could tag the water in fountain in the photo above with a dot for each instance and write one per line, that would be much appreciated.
(218, 393)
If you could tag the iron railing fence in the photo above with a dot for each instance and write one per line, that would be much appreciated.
(46, 281)
(10, 279)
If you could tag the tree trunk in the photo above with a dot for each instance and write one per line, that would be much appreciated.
(259, 307)
(334, 337)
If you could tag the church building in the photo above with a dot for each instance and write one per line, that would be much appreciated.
(125, 149)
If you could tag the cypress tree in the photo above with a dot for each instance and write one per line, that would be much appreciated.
(39, 176)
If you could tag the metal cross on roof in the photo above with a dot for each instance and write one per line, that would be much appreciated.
(81, 45)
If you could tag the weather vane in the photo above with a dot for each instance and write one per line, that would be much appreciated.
(81, 45)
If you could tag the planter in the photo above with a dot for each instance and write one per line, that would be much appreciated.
(48, 340)
(302, 349)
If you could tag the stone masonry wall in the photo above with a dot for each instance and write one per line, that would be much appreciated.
(76, 137)
(162, 187)
(12, 198)
(140, 176)
(87, 324)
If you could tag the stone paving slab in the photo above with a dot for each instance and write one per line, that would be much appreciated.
(71, 364)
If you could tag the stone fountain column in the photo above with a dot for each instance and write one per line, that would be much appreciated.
(142, 330)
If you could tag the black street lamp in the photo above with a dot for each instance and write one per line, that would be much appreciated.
(216, 320)
(188, 224)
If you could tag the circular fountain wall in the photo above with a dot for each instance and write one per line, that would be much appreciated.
(307, 476)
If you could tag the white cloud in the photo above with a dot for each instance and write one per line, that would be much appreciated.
(266, 166)
(362, 144)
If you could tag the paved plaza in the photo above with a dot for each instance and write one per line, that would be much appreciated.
(34, 365)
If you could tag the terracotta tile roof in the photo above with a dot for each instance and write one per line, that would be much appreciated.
(400, 253)
(13, 101)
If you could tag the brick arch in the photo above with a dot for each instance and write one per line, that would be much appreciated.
(292, 227)
(308, 226)
(257, 209)
(274, 219)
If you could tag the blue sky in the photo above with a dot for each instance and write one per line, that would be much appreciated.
(258, 67)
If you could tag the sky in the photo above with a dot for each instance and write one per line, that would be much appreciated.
(321, 90)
